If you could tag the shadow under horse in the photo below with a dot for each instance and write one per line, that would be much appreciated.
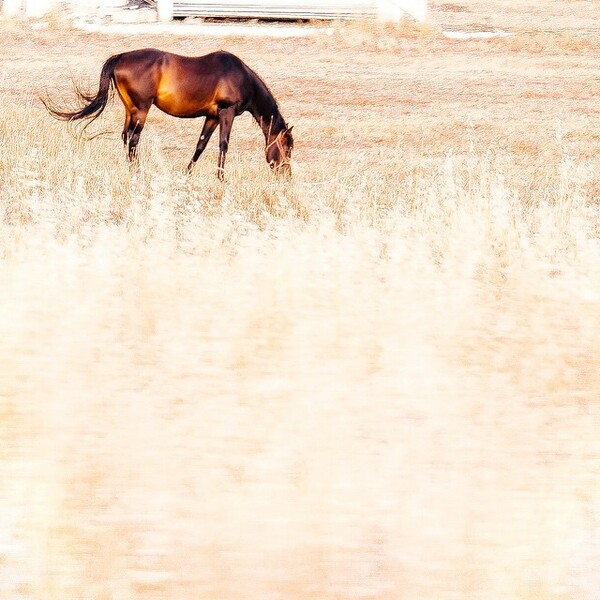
(218, 86)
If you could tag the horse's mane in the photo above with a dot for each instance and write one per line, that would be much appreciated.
(267, 95)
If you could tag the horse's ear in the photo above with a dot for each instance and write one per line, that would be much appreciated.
(288, 135)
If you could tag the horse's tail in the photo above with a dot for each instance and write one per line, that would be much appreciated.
(92, 105)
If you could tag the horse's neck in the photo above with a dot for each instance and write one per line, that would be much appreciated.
(267, 115)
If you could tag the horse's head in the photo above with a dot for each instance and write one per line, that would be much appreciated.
(279, 152)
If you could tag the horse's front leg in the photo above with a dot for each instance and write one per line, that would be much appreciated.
(210, 124)
(226, 116)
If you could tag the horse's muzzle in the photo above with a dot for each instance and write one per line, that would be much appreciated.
(283, 170)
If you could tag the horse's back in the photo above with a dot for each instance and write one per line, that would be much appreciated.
(214, 67)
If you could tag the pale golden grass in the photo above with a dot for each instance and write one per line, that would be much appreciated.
(378, 381)
(376, 36)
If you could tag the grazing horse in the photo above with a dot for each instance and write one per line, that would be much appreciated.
(218, 86)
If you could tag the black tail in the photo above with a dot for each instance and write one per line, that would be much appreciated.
(93, 105)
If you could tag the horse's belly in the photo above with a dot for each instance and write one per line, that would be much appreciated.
(180, 106)
(182, 97)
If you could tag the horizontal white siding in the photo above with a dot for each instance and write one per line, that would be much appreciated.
(293, 9)
(282, 9)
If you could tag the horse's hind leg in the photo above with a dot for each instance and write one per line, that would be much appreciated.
(210, 124)
(125, 135)
(136, 124)
(226, 116)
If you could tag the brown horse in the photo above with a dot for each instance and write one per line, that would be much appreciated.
(218, 86)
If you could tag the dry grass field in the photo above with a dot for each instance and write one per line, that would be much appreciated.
(380, 381)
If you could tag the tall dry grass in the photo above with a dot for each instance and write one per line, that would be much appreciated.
(378, 381)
